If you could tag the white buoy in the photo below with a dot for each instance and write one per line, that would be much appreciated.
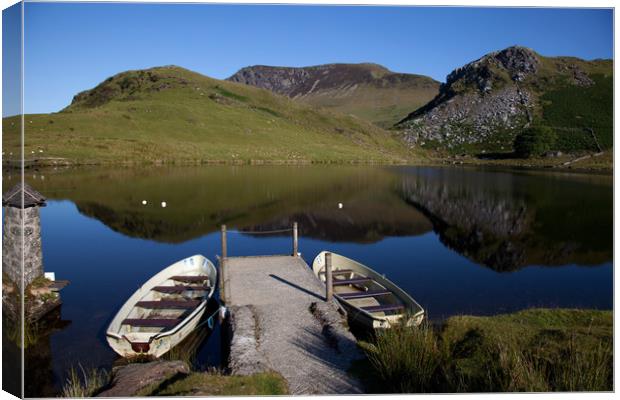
(339, 205)
(143, 202)
(163, 204)
(40, 151)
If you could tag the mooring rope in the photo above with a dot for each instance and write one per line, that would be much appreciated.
(261, 232)
(209, 321)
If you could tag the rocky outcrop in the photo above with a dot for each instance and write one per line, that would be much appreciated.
(476, 101)
(130, 379)
(471, 119)
(300, 82)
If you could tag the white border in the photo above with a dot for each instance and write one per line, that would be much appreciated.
(446, 3)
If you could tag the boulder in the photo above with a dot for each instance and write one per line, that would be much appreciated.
(129, 379)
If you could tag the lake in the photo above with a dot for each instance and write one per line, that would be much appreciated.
(459, 240)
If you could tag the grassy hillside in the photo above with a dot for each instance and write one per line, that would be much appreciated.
(170, 114)
(383, 107)
(572, 110)
(368, 91)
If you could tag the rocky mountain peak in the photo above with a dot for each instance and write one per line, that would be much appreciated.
(515, 63)
(519, 61)
(478, 99)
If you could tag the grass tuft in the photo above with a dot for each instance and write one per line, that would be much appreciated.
(84, 383)
(579, 369)
(405, 358)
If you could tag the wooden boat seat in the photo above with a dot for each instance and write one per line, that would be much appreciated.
(363, 295)
(190, 279)
(168, 304)
(352, 281)
(383, 308)
(339, 272)
(178, 288)
(152, 322)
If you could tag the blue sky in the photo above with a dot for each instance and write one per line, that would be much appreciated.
(73, 47)
(11, 64)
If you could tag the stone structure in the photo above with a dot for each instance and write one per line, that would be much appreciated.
(22, 231)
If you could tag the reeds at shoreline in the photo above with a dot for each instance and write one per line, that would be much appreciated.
(496, 354)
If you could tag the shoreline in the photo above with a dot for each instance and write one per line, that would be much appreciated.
(606, 167)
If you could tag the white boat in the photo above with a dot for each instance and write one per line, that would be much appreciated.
(368, 297)
(164, 310)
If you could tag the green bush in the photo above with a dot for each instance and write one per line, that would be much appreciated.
(534, 141)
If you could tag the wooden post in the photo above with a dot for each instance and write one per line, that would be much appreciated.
(329, 282)
(224, 246)
(222, 263)
(295, 242)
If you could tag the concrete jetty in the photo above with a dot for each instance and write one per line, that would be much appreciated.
(280, 321)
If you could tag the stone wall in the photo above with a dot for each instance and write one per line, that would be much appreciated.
(12, 244)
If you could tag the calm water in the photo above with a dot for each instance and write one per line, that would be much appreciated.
(458, 240)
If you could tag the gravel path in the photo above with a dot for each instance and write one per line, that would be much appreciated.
(278, 307)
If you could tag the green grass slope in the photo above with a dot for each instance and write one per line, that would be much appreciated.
(572, 111)
(170, 114)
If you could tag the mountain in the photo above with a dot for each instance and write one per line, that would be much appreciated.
(170, 114)
(368, 91)
(484, 104)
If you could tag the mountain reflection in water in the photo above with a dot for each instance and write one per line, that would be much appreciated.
(503, 220)
(507, 221)
(199, 200)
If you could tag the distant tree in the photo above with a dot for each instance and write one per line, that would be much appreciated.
(534, 141)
